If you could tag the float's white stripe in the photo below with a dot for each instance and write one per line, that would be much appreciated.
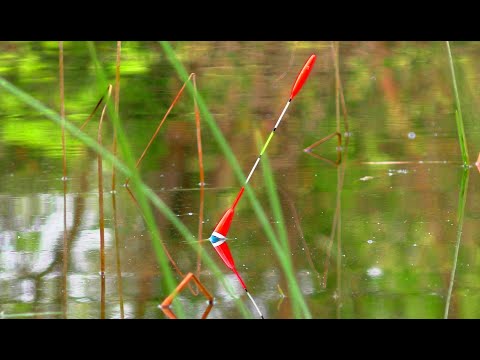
(283, 113)
(253, 169)
(254, 303)
(218, 235)
(218, 243)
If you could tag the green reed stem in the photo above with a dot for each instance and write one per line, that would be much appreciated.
(458, 112)
(462, 199)
(273, 196)
(282, 249)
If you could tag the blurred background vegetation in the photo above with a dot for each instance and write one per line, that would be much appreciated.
(398, 203)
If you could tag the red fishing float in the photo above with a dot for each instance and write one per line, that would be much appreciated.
(219, 235)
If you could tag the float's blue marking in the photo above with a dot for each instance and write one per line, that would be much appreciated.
(214, 239)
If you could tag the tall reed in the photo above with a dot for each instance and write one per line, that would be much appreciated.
(114, 202)
(282, 247)
(64, 178)
(458, 111)
(462, 199)
(62, 108)
(116, 97)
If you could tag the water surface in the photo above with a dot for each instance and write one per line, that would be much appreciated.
(375, 237)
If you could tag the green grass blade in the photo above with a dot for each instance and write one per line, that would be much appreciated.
(135, 181)
(462, 199)
(271, 187)
(282, 248)
(458, 112)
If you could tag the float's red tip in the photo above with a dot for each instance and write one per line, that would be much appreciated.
(302, 76)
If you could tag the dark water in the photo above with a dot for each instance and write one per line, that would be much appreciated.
(390, 233)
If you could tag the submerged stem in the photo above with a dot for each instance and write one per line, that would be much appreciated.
(64, 155)
(462, 198)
